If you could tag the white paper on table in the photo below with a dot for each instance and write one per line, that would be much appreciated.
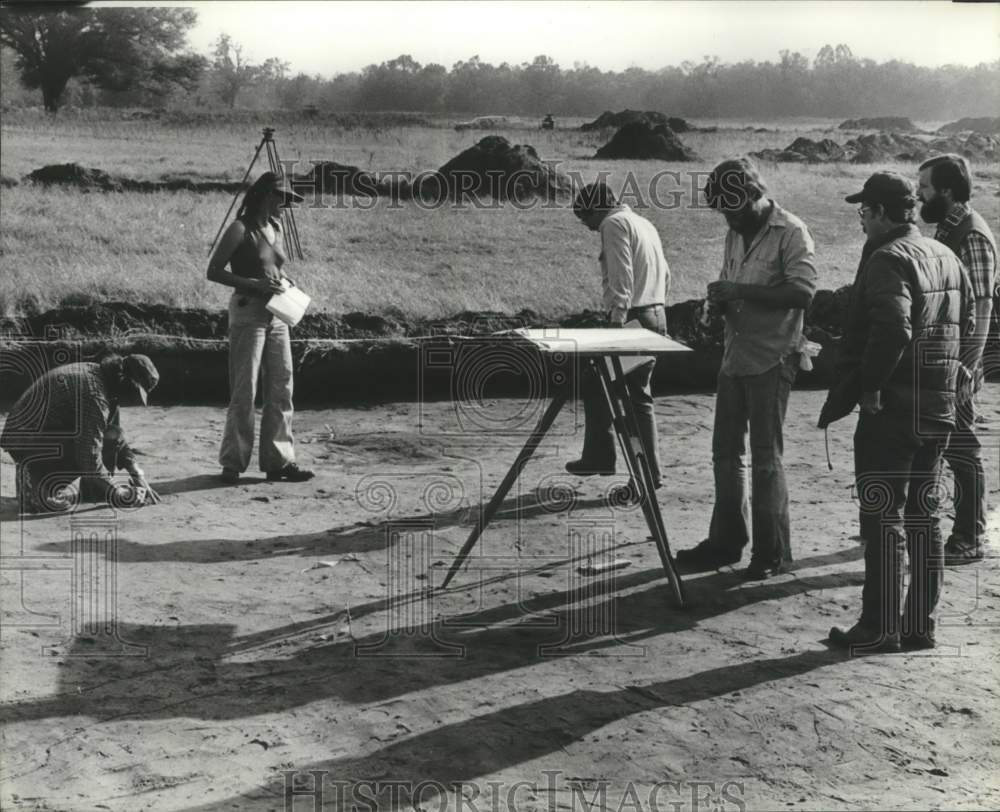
(629, 362)
(289, 305)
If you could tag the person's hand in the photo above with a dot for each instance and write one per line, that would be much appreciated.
(138, 480)
(840, 402)
(871, 402)
(128, 496)
(268, 287)
(723, 291)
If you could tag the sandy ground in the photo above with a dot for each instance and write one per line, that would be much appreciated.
(198, 654)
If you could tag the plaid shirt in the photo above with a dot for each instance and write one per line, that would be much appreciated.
(69, 406)
(975, 252)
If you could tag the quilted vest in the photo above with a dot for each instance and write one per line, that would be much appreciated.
(926, 378)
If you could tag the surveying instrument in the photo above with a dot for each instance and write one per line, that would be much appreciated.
(289, 231)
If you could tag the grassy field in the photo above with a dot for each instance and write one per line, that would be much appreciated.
(61, 246)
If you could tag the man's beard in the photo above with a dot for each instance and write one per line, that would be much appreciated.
(934, 210)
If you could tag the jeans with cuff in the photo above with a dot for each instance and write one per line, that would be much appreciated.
(752, 406)
(259, 345)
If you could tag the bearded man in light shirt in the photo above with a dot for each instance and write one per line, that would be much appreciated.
(635, 279)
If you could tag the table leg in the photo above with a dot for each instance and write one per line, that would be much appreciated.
(544, 423)
(637, 460)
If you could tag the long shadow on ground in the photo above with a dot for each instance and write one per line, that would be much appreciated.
(190, 672)
(359, 537)
(487, 744)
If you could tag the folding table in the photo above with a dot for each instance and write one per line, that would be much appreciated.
(602, 350)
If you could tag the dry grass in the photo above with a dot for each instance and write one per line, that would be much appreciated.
(61, 246)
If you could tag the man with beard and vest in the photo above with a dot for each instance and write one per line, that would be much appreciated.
(910, 309)
(945, 187)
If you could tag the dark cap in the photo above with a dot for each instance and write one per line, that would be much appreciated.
(282, 185)
(886, 188)
(278, 183)
(140, 370)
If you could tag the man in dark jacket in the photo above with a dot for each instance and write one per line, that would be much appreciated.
(901, 361)
(945, 188)
(66, 427)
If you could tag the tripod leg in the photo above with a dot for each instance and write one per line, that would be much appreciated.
(637, 461)
(544, 423)
(290, 233)
(236, 196)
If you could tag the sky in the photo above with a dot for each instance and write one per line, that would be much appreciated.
(336, 37)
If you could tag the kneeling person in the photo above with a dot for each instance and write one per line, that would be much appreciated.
(66, 427)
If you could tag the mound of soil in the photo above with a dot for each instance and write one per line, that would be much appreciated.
(804, 150)
(332, 178)
(882, 147)
(74, 175)
(497, 168)
(884, 123)
(613, 121)
(90, 179)
(385, 356)
(643, 141)
(984, 126)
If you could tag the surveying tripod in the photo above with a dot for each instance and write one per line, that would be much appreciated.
(289, 231)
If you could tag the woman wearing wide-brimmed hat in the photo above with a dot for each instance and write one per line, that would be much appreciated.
(258, 341)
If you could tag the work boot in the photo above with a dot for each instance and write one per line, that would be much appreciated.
(760, 570)
(707, 555)
(860, 640)
(585, 467)
(290, 473)
(962, 550)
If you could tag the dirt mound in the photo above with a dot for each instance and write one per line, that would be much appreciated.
(608, 120)
(90, 179)
(382, 359)
(882, 147)
(332, 178)
(804, 150)
(75, 175)
(984, 126)
(496, 168)
(114, 320)
(644, 141)
(884, 123)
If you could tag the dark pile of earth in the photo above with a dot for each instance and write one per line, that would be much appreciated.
(89, 179)
(884, 123)
(613, 121)
(984, 126)
(645, 142)
(496, 168)
(804, 150)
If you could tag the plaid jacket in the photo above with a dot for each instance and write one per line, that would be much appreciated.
(69, 407)
(975, 251)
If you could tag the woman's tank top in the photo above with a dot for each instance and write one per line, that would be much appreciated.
(255, 257)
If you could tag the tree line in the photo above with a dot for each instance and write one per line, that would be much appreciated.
(137, 57)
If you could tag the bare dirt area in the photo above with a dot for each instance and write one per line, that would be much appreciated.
(202, 653)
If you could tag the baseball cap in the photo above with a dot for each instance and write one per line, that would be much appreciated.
(282, 185)
(884, 188)
(140, 370)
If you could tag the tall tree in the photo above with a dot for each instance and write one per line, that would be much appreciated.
(234, 72)
(113, 48)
